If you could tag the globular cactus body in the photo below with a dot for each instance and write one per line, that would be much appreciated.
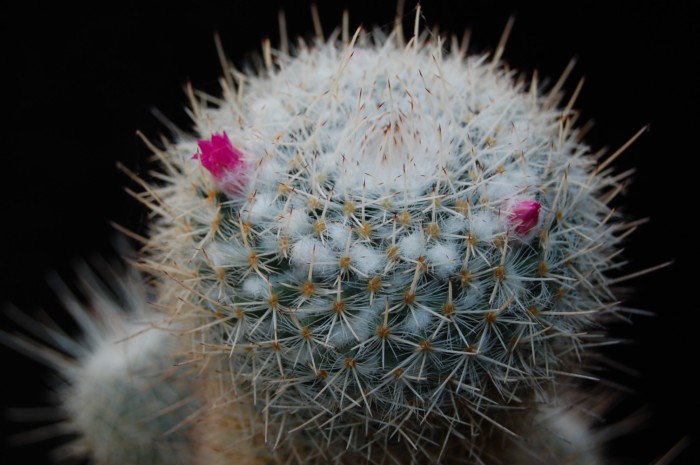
(388, 242)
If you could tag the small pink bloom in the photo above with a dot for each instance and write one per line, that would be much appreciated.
(222, 159)
(524, 215)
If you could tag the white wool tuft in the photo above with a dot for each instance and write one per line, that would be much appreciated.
(255, 287)
(444, 258)
(308, 250)
(365, 259)
(412, 246)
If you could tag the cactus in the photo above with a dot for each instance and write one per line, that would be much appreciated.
(390, 243)
(374, 251)
(121, 392)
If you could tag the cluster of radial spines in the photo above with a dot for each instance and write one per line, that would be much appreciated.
(367, 275)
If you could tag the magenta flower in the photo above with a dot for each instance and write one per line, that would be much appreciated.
(523, 215)
(222, 160)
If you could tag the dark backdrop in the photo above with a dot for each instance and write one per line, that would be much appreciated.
(78, 83)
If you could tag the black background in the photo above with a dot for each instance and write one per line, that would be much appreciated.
(79, 82)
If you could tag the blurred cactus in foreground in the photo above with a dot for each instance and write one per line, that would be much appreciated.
(374, 251)
(121, 391)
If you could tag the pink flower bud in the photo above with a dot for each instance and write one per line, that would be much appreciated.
(222, 160)
(523, 215)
